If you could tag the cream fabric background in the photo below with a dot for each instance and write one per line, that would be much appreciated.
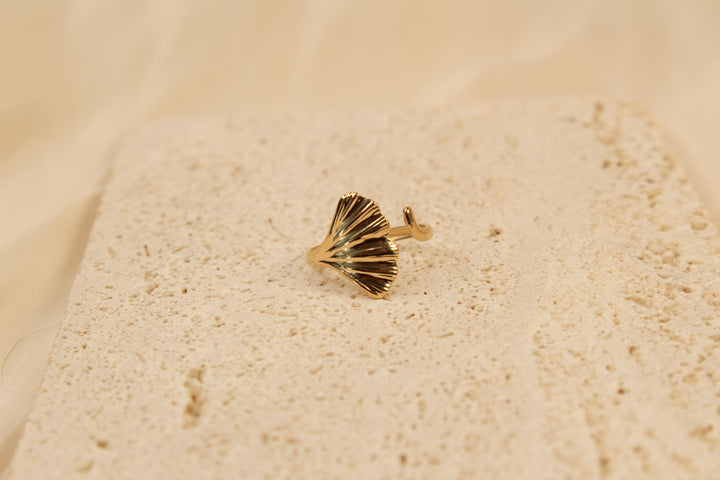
(75, 75)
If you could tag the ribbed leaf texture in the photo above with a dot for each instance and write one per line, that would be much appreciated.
(357, 246)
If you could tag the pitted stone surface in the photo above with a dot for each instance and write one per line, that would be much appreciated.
(564, 322)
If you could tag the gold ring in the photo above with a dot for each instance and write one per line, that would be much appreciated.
(361, 245)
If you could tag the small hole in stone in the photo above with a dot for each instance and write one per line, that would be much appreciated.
(494, 232)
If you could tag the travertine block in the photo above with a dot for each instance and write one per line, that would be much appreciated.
(564, 322)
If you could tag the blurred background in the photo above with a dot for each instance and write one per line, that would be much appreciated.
(76, 75)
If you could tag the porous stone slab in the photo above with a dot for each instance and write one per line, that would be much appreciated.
(564, 322)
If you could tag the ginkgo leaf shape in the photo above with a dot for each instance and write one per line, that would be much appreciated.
(357, 245)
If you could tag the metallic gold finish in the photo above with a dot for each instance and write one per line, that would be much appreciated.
(361, 245)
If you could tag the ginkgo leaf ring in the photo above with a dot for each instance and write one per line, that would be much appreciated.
(361, 245)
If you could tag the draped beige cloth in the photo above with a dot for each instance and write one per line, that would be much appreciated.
(75, 76)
